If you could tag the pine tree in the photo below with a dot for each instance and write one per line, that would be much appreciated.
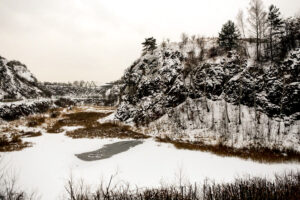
(290, 39)
(229, 36)
(149, 45)
(275, 24)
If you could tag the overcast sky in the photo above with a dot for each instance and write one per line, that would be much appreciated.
(67, 40)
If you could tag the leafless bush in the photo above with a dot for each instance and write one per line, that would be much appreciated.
(201, 44)
(283, 187)
(9, 189)
(164, 44)
(184, 40)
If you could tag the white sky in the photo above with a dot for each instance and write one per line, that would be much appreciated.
(97, 39)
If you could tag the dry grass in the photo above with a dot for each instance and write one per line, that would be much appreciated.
(11, 136)
(262, 154)
(86, 119)
(12, 144)
(35, 121)
(106, 130)
(91, 127)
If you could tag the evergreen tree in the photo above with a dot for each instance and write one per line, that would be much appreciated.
(290, 39)
(149, 45)
(229, 36)
(275, 24)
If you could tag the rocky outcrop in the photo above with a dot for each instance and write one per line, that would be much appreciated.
(161, 80)
(17, 82)
(14, 110)
(226, 99)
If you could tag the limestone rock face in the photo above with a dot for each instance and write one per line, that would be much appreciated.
(161, 80)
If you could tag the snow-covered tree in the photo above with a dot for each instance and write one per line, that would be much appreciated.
(229, 36)
(149, 45)
(275, 24)
(291, 35)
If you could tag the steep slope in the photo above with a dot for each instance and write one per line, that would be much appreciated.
(17, 82)
(190, 91)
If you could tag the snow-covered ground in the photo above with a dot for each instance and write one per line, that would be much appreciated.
(46, 167)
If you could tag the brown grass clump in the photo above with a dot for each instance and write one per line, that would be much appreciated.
(35, 121)
(110, 130)
(260, 154)
(91, 127)
(55, 114)
(12, 144)
(86, 119)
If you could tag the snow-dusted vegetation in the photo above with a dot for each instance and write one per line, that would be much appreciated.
(208, 118)
(179, 90)
(51, 161)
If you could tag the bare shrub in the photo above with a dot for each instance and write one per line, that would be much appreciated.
(286, 186)
(9, 189)
(164, 44)
(184, 40)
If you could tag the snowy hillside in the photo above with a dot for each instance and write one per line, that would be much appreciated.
(196, 92)
(17, 82)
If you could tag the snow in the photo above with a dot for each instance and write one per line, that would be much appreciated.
(28, 102)
(109, 118)
(71, 128)
(46, 167)
(24, 73)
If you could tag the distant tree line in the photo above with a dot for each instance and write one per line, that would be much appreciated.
(86, 84)
(273, 35)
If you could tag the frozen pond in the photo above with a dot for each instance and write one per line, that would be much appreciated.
(108, 150)
(46, 167)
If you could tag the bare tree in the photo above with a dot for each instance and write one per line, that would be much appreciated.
(201, 44)
(184, 40)
(241, 26)
(257, 21)
(240, 23)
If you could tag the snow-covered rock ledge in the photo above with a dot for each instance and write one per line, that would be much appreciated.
(217, 122)
(227, 98)
(15, 110)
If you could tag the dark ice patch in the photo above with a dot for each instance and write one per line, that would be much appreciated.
(108, 150)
